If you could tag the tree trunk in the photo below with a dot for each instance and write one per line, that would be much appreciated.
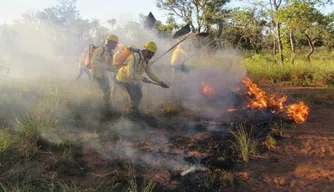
(275, 45)
(274, 48)
(311, 45)
(293, 46)
(277, 4)
(279, 41)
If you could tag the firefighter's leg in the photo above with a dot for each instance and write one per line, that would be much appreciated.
(88, 73)
(80, 74)
(105, 87)
(135, 94)
(113, 84)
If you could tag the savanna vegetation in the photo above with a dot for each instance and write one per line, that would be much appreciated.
(55, 135)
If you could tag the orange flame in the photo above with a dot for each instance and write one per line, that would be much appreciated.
(207, 90)
(261, 101)
(274, 102)
(298, 112)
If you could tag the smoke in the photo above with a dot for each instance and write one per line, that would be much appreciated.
(141, 144)
(45, 56)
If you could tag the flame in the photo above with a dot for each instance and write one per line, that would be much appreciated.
(207, 90)
(261, 101)
(298, 112)
(275, 103)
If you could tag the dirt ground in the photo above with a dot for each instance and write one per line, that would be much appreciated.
(304, 159)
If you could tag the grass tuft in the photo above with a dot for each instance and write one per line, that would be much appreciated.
(244, 142)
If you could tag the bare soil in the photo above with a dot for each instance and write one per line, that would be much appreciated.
(303, 160)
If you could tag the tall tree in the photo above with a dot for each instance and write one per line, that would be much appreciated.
(276, 4)
(201, 14)
(248, 24)
(301, 16)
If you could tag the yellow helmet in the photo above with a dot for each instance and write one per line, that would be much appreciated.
(112, 37)
(151, 46)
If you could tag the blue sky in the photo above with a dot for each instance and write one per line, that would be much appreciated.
(103, 10)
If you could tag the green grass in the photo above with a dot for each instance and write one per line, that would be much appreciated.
(262, 68)
(245, 143)
(147, 186)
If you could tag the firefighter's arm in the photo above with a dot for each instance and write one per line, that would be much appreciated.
(151, 74)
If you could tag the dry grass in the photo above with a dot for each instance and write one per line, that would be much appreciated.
(172, 108)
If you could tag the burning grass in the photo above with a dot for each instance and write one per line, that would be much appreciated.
(260, 100)
(180, 152)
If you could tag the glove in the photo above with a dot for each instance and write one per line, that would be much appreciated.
(145, 80)
(164, 85)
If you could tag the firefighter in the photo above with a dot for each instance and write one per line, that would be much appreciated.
(129, 76)
(177, 63)
(101, 63)
(82, 65)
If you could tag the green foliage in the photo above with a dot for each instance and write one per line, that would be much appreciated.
(244, 142)
(2, 188)
(168, 28)
(200, 14)
(147, 186)
(247, 27)
(263, 69)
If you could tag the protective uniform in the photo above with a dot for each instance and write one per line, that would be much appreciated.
(178, 59)
(130, 76)
(82, 65)
(101, 63)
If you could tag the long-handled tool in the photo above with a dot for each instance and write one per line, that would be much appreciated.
(171, 48)
(189, 35)
(149, 21)
(154, 83)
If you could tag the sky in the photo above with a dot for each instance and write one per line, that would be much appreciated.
(11, 10)
(121, 10)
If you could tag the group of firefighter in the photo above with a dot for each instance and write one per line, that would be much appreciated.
(127, 66)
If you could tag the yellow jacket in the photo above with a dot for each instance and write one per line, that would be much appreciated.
(135, 66)
(83, 59)
(102, 60)
(178, 56)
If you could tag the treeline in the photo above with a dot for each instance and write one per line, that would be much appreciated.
(280, 26)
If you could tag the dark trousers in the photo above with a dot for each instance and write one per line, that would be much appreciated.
(180, 68)
(83, 70)
(105, 87)
(134, 92)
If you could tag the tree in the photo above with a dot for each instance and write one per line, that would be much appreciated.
(248, 24)
(276, 4)
(167, 29)
(301, 16)
(201, 14)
